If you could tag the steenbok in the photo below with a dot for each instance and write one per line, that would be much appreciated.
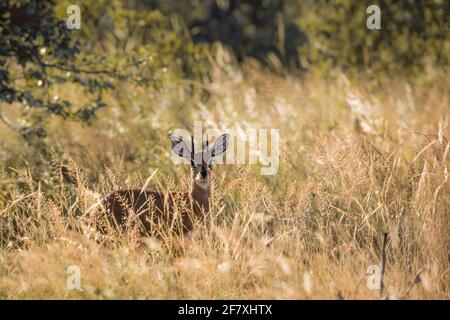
(160, 214)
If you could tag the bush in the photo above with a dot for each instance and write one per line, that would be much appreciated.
(412, 34)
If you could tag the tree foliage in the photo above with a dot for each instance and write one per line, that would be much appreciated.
(116, 44)
(141, 43)
(413, 33)
(261, 29)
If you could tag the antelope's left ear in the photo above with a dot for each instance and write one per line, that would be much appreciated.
(180, 147)
(220, 145)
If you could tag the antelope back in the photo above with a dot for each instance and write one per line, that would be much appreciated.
(154, 213)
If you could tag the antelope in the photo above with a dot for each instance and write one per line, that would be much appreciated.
(174, 212)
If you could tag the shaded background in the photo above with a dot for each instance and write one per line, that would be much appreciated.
(292, 36)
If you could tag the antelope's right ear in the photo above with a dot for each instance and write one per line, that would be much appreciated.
(220, 145)
(180, 147)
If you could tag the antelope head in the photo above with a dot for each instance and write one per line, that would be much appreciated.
(201, 161)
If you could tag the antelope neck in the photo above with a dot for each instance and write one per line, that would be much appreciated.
(200, 196)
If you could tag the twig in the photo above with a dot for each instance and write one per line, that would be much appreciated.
(417, 279)
(76, 70)
(111, 72)
(427, 135)
(269, 230)
(383, 263)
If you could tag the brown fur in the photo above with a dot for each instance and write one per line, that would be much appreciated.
(158, 213)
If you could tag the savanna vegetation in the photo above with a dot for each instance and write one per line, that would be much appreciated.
(364, 125)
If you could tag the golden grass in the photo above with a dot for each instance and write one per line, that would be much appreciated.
(352, 167)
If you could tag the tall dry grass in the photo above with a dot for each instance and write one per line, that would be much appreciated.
(357, 160)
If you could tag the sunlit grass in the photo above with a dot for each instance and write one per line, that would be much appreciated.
(357, 160)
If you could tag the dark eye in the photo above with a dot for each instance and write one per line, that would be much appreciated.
(193, 165)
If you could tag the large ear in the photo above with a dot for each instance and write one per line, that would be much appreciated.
(180, 147)
(220, 145)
